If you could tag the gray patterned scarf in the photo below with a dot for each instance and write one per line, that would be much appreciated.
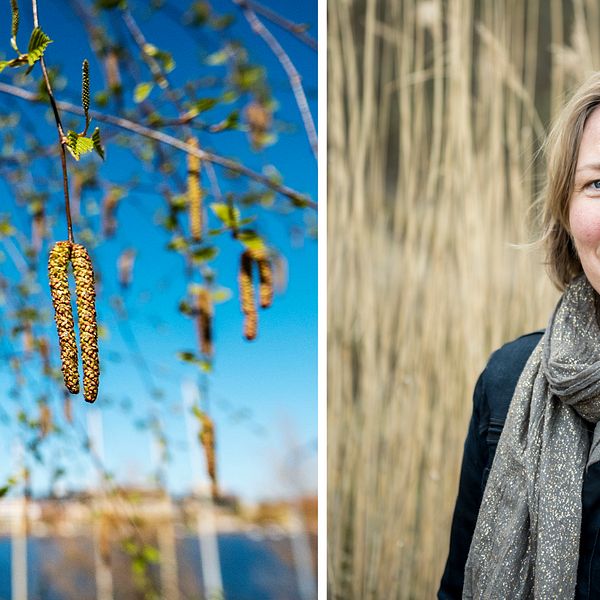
(526, 541)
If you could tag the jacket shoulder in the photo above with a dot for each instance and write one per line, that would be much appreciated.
(503, 370)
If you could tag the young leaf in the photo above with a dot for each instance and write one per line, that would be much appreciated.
(222, 22)
(221, 294)
(98, 143)
(222, 211)
(232, 121)
(6, 228)
(142, 91)
(251, 240)
(203, 254)
(190, 357)
(15, 25)
(37, 45)
(205, 104)
(110, 4)
(78, 144)
(217, 58)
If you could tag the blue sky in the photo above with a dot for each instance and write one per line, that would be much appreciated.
(262, 395)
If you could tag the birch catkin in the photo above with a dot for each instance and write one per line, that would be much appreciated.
(194, 192)
(265, 274)
(247, 296)
(204, 310)
(58, 263)
(207, 439)
(83, 273)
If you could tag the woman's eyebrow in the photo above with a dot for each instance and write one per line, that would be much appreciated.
(590, 167)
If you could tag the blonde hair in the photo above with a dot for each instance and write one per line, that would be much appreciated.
(562, 150)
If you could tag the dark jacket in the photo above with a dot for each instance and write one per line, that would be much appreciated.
(493, 393)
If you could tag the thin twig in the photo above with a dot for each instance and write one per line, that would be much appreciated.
(297, 198)
(294, 28)
(288, 66)
(160, 75)
(140, 40)
(61, 134)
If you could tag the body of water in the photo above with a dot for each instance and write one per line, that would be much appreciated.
(253, 567)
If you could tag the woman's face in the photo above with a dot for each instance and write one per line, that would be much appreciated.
(584, 209)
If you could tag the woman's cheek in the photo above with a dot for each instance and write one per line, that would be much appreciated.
(584, 219)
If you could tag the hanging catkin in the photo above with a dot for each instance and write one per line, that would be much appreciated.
(83, 273)
(207, 439)
(44, 350)
(265, 274)
(68, 409)
(125, 264)
(109, 210)
(259, 120)
(194, 192)
(247, 296)
(38, 227)
(58, 263)
(204, 311)
(45, 419)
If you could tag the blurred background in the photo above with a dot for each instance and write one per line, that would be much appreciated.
(437, 111)
(194, 473)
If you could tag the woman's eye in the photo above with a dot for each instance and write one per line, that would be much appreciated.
(594, 185)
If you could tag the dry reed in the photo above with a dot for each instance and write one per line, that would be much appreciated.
(436, 112)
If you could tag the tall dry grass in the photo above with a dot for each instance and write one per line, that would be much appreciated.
(436, 112)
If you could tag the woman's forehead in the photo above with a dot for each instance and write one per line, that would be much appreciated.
(589, 150)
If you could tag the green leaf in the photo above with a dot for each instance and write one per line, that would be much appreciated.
(248, 76)
(186, 309)
(4, 64)
(231, 122)
(197, 412)
(142, 91)
(78, 144)
(222, 22)
(101, 98)
(178, 243)
(150, 49)
(217, 58)
(178, 202)
(151, 554)
(190, 357)
(110, 4)
(37, 46)
(230, 96)
(199, 13)
(6, 228)
(205, 104)
(251, 240)
(204, 254)
(98, 147)
(222, 211)
(166, 60)
(221, 294)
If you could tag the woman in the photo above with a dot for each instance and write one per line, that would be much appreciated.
(527, 516)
